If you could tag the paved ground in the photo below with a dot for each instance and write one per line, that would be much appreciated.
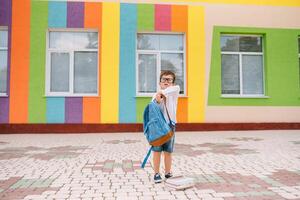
(254, 165)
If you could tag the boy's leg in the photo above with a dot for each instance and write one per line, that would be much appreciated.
(168, 149)
(168, 162)
(156, 161)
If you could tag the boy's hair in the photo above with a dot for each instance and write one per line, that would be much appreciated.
(167, 72)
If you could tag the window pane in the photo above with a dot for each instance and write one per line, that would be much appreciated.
(250, 44)
(147, 73)
(252, 74)
(85, 72)
(3, 71)
(74, 40)
(3, 38)
(148, 42)
(174, 63)
(59, 72)
(230, 74)
(241, 43)
(171, 42)
(230, 43)
(299, 45)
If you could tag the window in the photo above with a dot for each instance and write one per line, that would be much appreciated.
(242, 65)
(155, 53)
(3, 61)
(72, 68)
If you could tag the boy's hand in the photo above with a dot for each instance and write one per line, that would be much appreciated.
(159, 96)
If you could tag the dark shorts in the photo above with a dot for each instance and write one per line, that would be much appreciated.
(168, 146)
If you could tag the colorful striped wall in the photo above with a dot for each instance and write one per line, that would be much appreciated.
(116, 102)
(117, 23)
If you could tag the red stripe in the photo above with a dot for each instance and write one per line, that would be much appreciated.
(162, 17)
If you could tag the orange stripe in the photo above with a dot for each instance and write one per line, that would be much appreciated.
(179, 18)
(92, 19)
(19, 74)
(182, 110)
(179, 23)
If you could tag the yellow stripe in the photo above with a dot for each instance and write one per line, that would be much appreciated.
(241, 2)
(110, 62)
(196, 64)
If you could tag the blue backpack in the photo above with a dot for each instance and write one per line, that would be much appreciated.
(156, 129)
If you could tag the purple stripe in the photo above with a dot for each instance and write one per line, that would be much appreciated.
(73, 105)
(5, 12)
(5, 20)
(75, 16)
(73, 110)
(4, 103)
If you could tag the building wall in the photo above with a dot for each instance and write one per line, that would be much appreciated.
(280, 29)
(201, 22)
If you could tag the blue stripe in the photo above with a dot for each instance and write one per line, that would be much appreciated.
(57, 18)
(55, 110)
(128, 28)
(57, 14)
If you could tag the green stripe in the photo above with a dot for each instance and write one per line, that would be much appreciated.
(145, 17)
(281, 68)
(38, 28)
(141, 103)
(145, 22)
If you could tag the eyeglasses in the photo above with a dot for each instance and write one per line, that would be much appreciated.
(169, 80)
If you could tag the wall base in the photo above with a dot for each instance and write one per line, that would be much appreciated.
(115, 128)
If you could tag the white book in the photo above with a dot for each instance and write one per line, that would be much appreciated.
(180, 182)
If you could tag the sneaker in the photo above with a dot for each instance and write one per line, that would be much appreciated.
(168, 175)
(157, 178)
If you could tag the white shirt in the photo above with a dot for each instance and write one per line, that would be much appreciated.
(171, 93)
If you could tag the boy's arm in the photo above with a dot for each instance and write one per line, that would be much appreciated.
(171, 90)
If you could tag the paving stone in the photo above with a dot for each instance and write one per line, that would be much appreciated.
(240, 194)
(267, 193)
(223, 194)
(232, 165)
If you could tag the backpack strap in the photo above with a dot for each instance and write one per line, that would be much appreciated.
(146, 158)
(165, 102)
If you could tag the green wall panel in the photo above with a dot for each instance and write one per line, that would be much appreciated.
(141, 103)
(38, 30)
(281, 68)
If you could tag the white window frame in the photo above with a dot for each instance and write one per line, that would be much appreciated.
(158, 63)
(2, 94)
(71, 52)
(240, 54)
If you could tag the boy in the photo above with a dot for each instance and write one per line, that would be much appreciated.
(168, 95)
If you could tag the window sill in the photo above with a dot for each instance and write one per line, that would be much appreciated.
(150, 96)
(3, 95)
(244, 97)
